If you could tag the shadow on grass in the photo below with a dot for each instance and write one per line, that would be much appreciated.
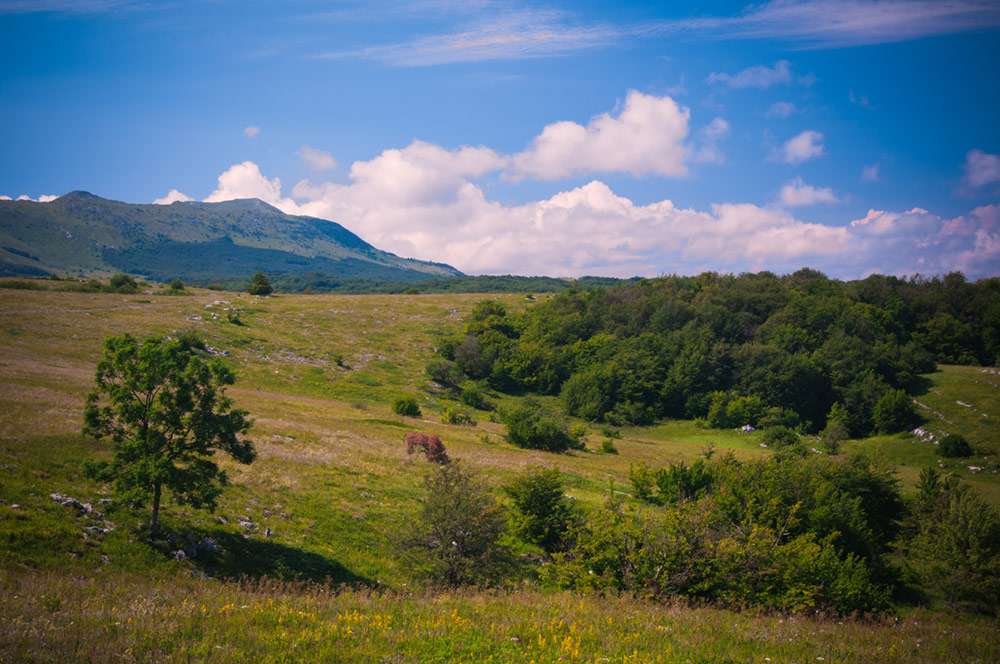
(257, 558)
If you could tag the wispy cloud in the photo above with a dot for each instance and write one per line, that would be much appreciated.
(62, 6)
(761, 77)
(519, 35)
(842, 23)
(802, 147)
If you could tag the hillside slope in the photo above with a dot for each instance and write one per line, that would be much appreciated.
(80, 233)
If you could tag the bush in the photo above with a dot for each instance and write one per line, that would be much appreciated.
(456, 534)
(260, 285)
(531, 427)
(783, 439)
(406, 406)
(473, 397)
(429, 444)
(955, 446)
(608, 446)
(122, 283)
(542, 513)
(444, 372)
(894, 412)
(176, 285)
(454, 416)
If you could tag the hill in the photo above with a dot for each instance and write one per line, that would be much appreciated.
(333, 486)
(83, 234)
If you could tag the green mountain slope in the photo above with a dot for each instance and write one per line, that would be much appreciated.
(80, 233)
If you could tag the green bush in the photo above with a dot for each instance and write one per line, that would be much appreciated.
(406, 406)
(894, 412)
(542, 514)
(122, 283)
(474, 398)
(444, 372)
(453, 415)
(531, 427)
(608, 446)
(455, 536)
(955, 446)
(260, 285)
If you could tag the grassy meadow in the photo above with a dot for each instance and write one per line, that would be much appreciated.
(332, 487)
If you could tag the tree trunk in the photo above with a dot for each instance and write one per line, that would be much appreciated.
(155, 518)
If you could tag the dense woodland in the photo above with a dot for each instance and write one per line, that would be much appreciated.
(734, 350)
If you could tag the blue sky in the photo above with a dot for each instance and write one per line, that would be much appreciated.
(852, 136)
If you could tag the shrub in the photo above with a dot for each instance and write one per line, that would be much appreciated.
(955, 446)
(473, 397)
(122, 283)
(783, 439)
(608, 446)
(406, 406)
(531, 427)
(894, 412)
(456, 534)
(454, 416)
(260, 285)
(444, 372)
(429, 444)
(176, 285)
(542, 512)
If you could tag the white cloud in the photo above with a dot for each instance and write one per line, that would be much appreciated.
(981, 168)
(781, 109)
(5, 197)
(246, 181)
(841, 23)
(645, 137)
(707, 141)
(318, 160)
(46, 198)
(803, 147)
(755, 77)
(24, 197)
(797, 193)
(870, 173)
(502, 33)
(251, 131)
(172, 197)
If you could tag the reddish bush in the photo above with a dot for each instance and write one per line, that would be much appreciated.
(429, 443)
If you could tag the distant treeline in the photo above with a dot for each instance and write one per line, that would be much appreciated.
(790, 351)
(324, 283)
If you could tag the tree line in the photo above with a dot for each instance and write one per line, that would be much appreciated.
(799, 351)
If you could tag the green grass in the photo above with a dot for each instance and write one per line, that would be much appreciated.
(334, 486)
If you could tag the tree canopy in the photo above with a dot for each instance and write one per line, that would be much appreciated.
(164, 410)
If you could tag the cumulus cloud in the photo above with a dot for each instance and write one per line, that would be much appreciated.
(803, 147)
(46, 198)
(755, 77)
(645, 137)
(246, 181)
(981, 168)
(707, 142)
(251, 131)
(5, 197)
(172, 197)
(592, 230)
(318, 160)
(797, 193)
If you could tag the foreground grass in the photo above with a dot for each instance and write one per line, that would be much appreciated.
(49, 617)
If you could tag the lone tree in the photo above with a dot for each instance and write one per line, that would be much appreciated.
(259, 285)
(165, 412)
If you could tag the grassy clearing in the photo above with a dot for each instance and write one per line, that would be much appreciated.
(47, 617)
(333, 485)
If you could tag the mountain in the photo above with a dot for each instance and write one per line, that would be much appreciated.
(82, 234)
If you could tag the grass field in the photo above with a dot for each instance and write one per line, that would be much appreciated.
(333, 484)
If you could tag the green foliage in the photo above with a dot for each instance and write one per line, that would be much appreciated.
(456, 534)
(176, 285)
(955, 446)
(542, 513)
(259, 284)
(165, 412)
(608, 446)
(453, 415)
(474, 398)
(956, 546)
(123, 283)
(894, 412)
(444, 372)
(837, 428)
(406, 406)
(783, 439)
(530, 426)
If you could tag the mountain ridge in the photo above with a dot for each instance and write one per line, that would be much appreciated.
(80, 233)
